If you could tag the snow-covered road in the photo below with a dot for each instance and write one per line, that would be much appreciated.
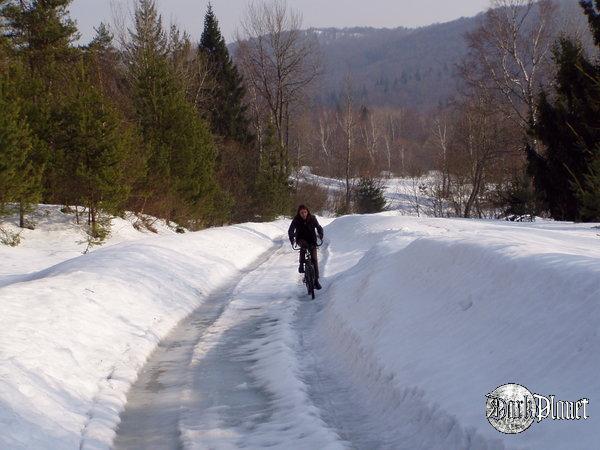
(155, 401)
(213, 382)
(418, 320)
(252, 368)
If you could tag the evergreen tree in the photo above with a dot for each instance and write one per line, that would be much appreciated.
(593, 16)
(182, 156)
(369, 196)
(272, 188)
(519, 199)
(20, 178)
(104, 64)
(5, 49)
(43, 33)
(226, 109)
(180, 51)
(103, 40)
(589, 192)
(106, 69)
(93, 151)
(569, 127)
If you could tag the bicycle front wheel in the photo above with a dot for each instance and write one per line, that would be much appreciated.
(310, 280)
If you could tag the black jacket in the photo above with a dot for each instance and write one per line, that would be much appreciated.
(305, 229)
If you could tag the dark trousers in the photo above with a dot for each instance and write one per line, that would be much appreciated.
(313, 256)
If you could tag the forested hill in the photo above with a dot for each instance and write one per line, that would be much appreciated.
(395, 67)
(402, 66)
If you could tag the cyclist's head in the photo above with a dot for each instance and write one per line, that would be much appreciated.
(303, 211)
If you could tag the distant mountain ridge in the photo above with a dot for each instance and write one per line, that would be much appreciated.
(393, 67)
(409, 67)
(405, 67)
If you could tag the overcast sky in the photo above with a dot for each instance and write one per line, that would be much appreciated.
(189, 14)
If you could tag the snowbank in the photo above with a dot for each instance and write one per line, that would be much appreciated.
(432, 315)
(57, 237)
(75, 334)
(418, 320)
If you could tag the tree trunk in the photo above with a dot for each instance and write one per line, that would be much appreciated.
(474, 191)
(348, 150)
(21, 215)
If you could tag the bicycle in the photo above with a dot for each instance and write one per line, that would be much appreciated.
(309, 269)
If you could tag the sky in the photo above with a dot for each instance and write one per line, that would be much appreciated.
(189, 14)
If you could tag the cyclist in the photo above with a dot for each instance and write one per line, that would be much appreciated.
(302, 230)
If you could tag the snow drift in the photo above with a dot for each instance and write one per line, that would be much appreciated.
(74, 335)
(418, 320)
(434, 314)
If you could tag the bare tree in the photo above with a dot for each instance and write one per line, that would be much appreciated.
(279, 61)
(370, 134)
(441, 136)
(509, 53)
(481, 137)
(203, 82)
(348, 121)
(393, 126)
(326, 137)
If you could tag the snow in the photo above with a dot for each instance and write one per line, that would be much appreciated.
(57, 237)
(401, 194)
(256, 329)
(418, 320)
(436, 313)
(75, 334)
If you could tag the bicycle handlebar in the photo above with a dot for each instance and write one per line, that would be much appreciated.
(299, 248)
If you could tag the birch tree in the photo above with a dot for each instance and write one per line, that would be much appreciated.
(510, 54)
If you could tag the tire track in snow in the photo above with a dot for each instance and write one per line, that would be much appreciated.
(254, 346)
(230, 376)
(154, 402)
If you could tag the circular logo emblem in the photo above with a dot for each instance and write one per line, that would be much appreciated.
(510, 408)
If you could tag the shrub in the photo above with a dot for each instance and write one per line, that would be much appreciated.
(369, 196)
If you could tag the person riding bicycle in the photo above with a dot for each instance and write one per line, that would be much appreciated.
(302, 231)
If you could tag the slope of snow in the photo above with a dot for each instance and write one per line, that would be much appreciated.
(431, 315)
(418, 320)
(74, 335)
(57, 237)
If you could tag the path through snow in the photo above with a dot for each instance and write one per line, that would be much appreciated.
(229, 376)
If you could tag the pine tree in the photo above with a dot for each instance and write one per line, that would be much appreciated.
(43, 33)
(105, 66)
(593, 16)
(20, 178)
(569, 127)
(152, 87)
(589, 192)
(272, 188)
(226, 109)
(519, 199)
(5, 48)
(94, 151)
(103, 40)
(369, 196)
(182, 156)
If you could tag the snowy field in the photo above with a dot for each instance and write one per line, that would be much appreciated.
(418, 320)
(401, 194)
